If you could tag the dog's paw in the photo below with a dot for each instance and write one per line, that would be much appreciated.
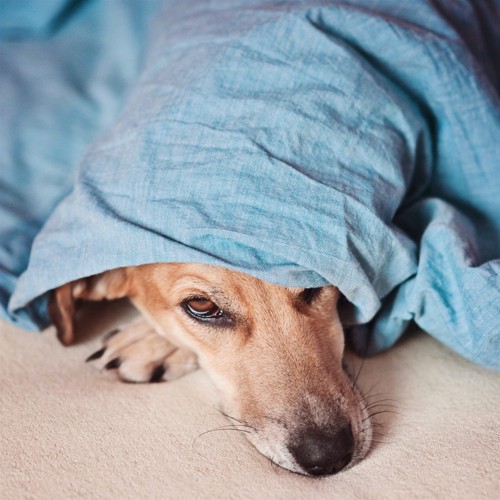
(139, 354)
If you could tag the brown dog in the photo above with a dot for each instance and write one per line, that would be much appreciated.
(275, 354)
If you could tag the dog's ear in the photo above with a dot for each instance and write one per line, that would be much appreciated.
(62, 312)
(109, 285)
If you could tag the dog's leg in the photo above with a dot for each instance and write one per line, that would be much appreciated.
(139, 354)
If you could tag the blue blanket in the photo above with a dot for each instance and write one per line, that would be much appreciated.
(353, 143)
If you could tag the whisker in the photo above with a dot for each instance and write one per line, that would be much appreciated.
(382, 399)
(381, 405)
(368, 396)
(378, 434)
(378, 413)
(241, 422)
(376, 424)
(385, 411)
(379, 401)
(223, 429)
(361, 367)
(276, 421)
(372, 427)
(359, 372)
(230, 417)
(372, 388)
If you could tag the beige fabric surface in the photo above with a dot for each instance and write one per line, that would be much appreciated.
(68, 430)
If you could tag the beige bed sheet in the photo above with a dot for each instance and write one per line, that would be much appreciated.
(70, 431)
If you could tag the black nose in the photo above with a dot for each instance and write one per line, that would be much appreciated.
(320, 453)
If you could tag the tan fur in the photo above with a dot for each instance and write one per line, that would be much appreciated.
(278, 368)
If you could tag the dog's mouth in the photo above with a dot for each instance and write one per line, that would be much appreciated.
(312, 451)
(315, 438)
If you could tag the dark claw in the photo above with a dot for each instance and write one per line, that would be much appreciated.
(96, 355)
(114, 363)
(157, 374)
(110, 334)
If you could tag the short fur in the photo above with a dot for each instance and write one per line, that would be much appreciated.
(278, 365)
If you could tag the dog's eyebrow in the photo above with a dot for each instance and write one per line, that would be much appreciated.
(213, 293)
(217, 294)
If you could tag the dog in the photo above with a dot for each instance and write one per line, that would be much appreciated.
(274, 353)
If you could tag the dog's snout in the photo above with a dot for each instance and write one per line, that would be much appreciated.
(320, 453)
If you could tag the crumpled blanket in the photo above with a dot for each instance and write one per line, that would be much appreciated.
(353, 143)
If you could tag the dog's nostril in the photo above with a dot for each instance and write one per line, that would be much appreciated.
(320, 453)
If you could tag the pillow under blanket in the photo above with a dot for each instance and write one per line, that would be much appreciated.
(304, 142)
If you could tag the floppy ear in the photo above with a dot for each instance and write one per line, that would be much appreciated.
(109, 285)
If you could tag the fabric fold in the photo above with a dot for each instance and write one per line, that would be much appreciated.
(306, 143)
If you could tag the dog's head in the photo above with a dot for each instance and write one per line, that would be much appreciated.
(275, 354)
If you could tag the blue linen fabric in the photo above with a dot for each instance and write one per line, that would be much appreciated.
(352, 143)
(32, 18)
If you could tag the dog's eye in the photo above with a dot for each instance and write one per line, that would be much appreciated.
(308, 294)
(202, 308)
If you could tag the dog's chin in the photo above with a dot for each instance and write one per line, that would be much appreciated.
(276, 451)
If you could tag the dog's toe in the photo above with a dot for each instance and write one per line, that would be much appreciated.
(180, 363)
(96, 355)
(157, 374)
(139, 354)
(114, 363)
